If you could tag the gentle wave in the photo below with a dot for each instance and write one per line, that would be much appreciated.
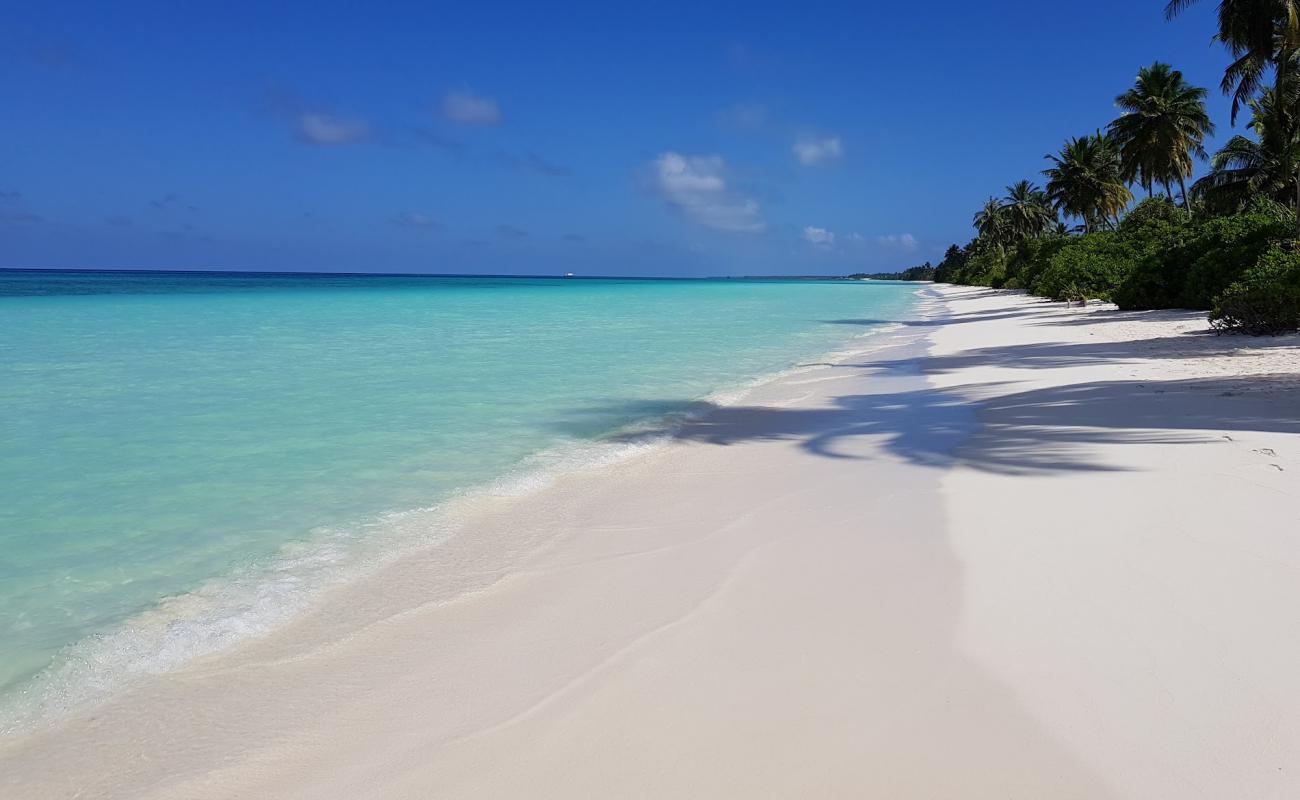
(256, 601)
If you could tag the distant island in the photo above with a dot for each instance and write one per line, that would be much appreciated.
(924, 272)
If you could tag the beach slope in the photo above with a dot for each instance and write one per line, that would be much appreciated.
(1010, 549)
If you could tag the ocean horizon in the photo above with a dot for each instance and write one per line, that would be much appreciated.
(191, 457)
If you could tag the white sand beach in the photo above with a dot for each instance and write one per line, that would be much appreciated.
(1009, 550)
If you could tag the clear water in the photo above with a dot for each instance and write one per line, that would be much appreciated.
(191, 449)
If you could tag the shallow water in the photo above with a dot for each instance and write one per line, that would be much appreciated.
(185, 458)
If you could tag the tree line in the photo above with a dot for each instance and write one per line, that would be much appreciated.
(1227, 242)
(922, 272)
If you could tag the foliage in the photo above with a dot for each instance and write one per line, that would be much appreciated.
(989, 221)
(1086, 181)
(1163, 127)
(1266, 300)
(1185, 263)
(1027, 212)
(954, 261)
(1264, 166)
(1268, 207)
(1260, 34)
(1028, 260)
(985, 266)
(924, 272)
(1156, 281)
(1158, 257)
(1088, 267)
(1232, 247)
(1222, 250)
(1159, 238)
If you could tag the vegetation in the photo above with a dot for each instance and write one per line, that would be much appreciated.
(1163, 127)
(1266, 300)
(924, 272)
(1228, 243)
(1087, 181)
(1246, 168)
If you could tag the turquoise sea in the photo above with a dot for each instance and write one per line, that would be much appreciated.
(186, 457)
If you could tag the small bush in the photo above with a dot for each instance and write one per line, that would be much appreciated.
(986, 267)
(1186, 264)
(1155, 282)
(1223, 249)
(1267, 207)
(1088, 267)
(1153, 209)
(1158, 277)
(1266, 300)
(1029, 258)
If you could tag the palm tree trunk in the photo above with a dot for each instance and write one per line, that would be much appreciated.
(1169, 192)
(1182, 189)
(1280, 78)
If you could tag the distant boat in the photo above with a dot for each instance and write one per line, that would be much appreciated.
(568, 274)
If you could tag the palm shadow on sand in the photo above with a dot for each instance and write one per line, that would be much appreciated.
(986, 427)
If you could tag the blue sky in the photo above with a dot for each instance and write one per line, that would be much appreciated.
(526, 138)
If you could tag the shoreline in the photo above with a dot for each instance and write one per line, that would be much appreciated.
(231, 611)
(941, 566)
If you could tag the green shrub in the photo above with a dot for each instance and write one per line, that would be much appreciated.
(1087, 267)
(1223, 250)
(986, 267)
(1186, 264)
(1029, 258)
(1152, 210)
(1155, 282)
(1266, 300)
(1159, 273)
(954, 261)
(1265, 206)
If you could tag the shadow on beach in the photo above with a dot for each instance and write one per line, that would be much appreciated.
(1054, 354)
(933, 322)
(985, 427)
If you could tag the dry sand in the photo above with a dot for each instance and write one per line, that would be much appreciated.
(1011, 550)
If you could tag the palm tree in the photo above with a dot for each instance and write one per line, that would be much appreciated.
(1264, 166)
(1163, 126)
(1260, 34)
(1086, 181)
(990, 222)
(1027, 211)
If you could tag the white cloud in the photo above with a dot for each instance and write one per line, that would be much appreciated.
(744, 115)
(468, 108)
(816, 152)
(697, 186)
(414, 219)
(315, 127)
(818, 236)
(901, 241)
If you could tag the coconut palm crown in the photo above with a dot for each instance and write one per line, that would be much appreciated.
(1260, 34)
(1027, 211)
(1162, 130)
(1086, 181)
(1265, 165)
(989, 222)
